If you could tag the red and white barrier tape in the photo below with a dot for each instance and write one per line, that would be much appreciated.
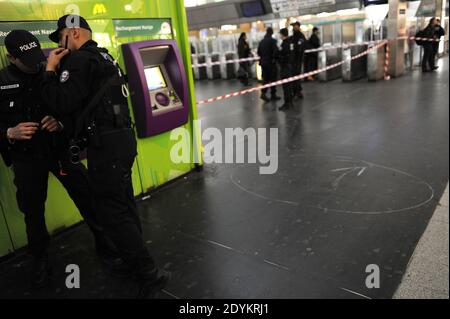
(291, 79)
(326, 48)
(257, 58)
(419, 39)
(386, 62)
(343, 46)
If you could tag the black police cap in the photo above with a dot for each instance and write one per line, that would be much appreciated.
(25, 46)
(69, 21)
(296, 23)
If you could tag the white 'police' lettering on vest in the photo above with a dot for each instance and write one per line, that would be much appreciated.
(28, 46)
(9, 87)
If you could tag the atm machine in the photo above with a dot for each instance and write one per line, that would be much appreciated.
(158, 86)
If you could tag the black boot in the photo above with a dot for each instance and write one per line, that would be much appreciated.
(264, 98)
(110, 257)
(41, 272)
(152, 282)
(275, 97)
(299, 96)
(285, 107)
(150, 279)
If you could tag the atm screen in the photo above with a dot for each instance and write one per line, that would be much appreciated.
(155, 78)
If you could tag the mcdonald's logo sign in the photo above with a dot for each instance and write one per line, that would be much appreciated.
(99, 8)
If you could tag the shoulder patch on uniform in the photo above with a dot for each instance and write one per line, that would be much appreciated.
(64, 76)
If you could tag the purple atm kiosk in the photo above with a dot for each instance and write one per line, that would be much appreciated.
(158, 86)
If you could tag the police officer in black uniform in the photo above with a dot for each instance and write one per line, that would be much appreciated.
(439, 32)
(267, 51)
(89, 87)
(286, 58)
(428, 60)
(33, 141)
(298, 39)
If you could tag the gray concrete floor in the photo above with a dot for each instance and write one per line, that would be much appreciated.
(427, 274)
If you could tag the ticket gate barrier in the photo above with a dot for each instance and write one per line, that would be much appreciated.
(214, 71)
(329, 57)
(354, 69)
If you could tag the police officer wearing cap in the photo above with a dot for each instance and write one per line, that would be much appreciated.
(33, 141)
(84, 82)
(298, 41)
(286, 58)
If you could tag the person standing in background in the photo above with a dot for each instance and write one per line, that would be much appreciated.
(298, 41)
(428, 60)
(311, 63)
(439, 32)
(267, 51)
(244, 52)
(285, 59)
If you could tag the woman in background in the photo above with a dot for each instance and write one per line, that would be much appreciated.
(244, 52)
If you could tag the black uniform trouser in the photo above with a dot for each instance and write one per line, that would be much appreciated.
(435, 50)
(245, 72)
(311, 62)
(297, 85)
(285, 72)
(269, 75)
(110, 164)
(31, 180)
(428, 60)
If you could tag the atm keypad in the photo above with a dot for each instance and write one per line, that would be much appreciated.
(165, 99)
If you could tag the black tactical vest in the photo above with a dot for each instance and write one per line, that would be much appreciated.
(111, 112)
(20, 101)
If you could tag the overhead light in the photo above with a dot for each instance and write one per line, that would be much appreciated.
(324, 14)
(348, 11)
(128, 7)
(306, 17)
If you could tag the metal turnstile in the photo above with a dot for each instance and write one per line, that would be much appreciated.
(214, 71)
(200, 72)
(329, 57)
(229, 70)
(353, 70)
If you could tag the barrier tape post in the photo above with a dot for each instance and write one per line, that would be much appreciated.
(387, 62)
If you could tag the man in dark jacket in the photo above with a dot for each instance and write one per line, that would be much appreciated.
(298, 40)
(267, 51)
(439, 32)
(244, 52)
(34, 143)
(285, 59)
(311, 59)
(84, 82)
(428, 60)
